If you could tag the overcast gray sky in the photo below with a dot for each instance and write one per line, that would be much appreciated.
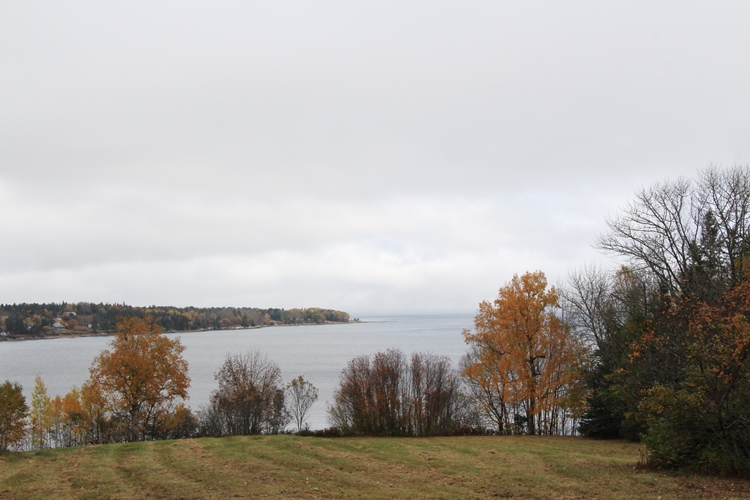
(376, 157)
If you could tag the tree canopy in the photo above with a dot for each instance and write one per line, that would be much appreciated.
(523, 357)
(670, 329)
(141, 377)
(13, 413)
(249, 399)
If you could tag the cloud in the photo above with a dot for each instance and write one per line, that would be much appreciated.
(378, 156)
(427, 254)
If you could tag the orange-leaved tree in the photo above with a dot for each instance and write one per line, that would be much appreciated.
(142, 378)
(523, 356)
(13, 413)
(81, 417)
(702, 418)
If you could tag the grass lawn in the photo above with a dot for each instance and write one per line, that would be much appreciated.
(307, 467)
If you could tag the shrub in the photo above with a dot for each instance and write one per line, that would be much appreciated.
(249, 400)
(397, 397)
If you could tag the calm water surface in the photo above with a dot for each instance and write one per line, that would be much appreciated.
(317, 352)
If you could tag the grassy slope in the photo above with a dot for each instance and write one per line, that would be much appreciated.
(296, 467)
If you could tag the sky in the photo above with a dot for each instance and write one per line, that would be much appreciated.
(373, 157)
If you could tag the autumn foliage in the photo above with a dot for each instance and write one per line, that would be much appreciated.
(393, 395)
(135, 393)
(141, 378)
(249, 399)
(13, 412)
(523, 358)
(670, 332)
(700, 416)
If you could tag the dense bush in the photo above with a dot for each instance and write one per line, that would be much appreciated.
(702, 418)
(249, 400)
(396, 396)
(671, 331)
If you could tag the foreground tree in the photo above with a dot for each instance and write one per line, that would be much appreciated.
(13, 413)
(701, 417)
(523, 357)
(249, 400)
(41, 416)
(691, 236)
(141, 377)
(670, 329)
(610, 311)
(489, 389)
(82, 417)
(392, 395)
(437, 405)
(301, 395)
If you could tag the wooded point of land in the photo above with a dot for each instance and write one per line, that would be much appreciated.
(27, 320)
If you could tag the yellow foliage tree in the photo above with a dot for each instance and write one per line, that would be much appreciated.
(41, 416)
(72, 426)
(524, 354)
(79, 418)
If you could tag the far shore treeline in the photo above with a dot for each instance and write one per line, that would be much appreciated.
(27, 320)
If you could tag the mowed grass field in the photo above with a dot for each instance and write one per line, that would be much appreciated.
(307, 467)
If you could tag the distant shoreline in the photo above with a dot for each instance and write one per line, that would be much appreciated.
(68, 334)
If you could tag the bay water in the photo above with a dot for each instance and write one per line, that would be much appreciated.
(317, 352)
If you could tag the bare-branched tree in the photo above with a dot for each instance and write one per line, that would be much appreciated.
(301, 395)
(691, 236)
(392, 395)
(249, 400)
